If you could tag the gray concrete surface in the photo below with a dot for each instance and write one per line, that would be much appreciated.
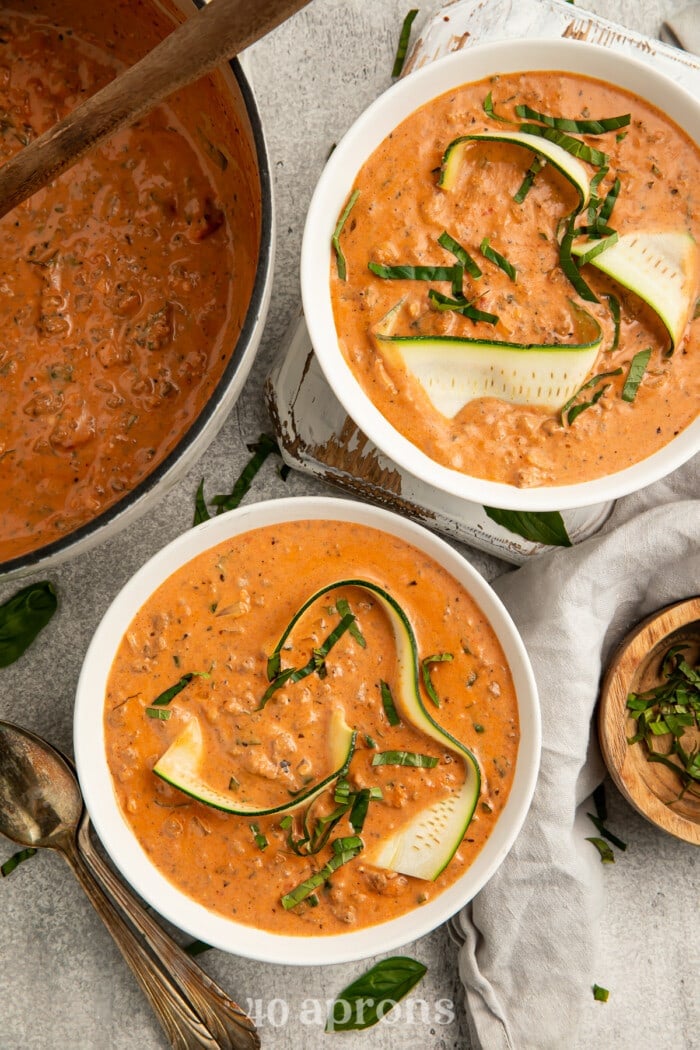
(62, 982)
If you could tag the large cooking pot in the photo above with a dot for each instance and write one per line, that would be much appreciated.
(129, 29)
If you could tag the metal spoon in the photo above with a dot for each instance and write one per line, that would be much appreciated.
(41, 806)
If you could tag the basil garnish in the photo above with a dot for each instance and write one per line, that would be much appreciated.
(369, 998)
(461, 254)
(404, 758)
(545, 526)
(388, 704)
(614, 304)
(316, 662)
(460, 306)
(606, 854)
(605, 832)
(197, 947)
(17, 858)
(417, 273)
(581, 127)
(535, 168)
(638, 367)
(335, 239)
(402, 47)
(261, 449)
(168, 694)
(570, 410)
(495, 257)
(22, 617)
(568, 265)
(436, 658)
(306, 888)
(573, 146)
(600, 994)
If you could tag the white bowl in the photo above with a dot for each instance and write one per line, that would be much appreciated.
(333, 188)
(117, 836)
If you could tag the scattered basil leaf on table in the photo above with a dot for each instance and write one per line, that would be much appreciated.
(368, 999)
(22, 617)
(402, 47)
(605, 832)
(261, 449)
(606, 854)
(197, 948)
(17, 858)
(540, 527)
(600, 994)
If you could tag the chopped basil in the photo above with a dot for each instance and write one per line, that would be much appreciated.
(370, 741)
(404, 758)
(608, 204)
(360, 806)
(402, 47)
(197, 948)
(335, 239)
(605, 832)
(304, 889)
(17, 858)
(499, 260)
(580, 127)
(537, 526)
(638, 367)
(606, 854)
(569, 267)
(436, 658)
(601, 246)
(168, 694)
(372, 995)
(600, 802)
(261, 449)
(158, 712)
(461, 254)
(573, 146)
(355, 632)
(315, 664)
(614, 305)
(388, 704)
(260, 840)
(460, 306)
(22, 617)
(571, 410)
(491, 112)
(418, 273)
(601, 995)
(535, 168)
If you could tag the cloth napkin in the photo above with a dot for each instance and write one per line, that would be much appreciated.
(683, 29)
(529, 956)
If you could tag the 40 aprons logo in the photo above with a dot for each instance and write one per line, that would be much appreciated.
(332, 1014)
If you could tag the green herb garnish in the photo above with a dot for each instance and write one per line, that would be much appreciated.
(638, 367)
(404, 758)
(197, 948)
(402, 47)
(388, 704)
(316, 663)
(22, 617)
(499, 260)
(436, 658)
(571, 410)
(573, 146)
(17, 858)
(304, 889)
(460, 253)
(605, 832)
(614, 305)
(579, 127)
(597, 249)
(418, 273)
(355, 632)
(369, 998)
(569, 267)
(537, 526)
(260, 840)
(335, 239)
(168, 694)
(460, 306)
(601, 995)
(535, 168)
(606, 854)
(261, 449)
(157, 712)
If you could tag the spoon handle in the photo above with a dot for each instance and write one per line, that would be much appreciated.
(224, 1018)
(182, 1026)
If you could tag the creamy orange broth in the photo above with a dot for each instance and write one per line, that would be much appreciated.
(400, 213)
(223, 613)
(123, 285)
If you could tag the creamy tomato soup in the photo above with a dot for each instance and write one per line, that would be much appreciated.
(400, 212)
(123, 285)
(196, 655)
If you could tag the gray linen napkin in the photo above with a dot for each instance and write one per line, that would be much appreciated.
(526, 979)
(683, 29)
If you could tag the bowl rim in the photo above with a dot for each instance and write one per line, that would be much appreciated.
(203, 429)
(334, 185)
(131, 859)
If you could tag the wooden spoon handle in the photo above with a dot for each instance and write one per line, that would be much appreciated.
(220, 30)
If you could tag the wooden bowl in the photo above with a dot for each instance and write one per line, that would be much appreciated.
(650, 787)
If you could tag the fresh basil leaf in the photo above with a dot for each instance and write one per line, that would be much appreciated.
(605, 833)
(197, 948)
(600, 994)
(261, 449)
(402, 47)
(404, 758)
(606, 854)
(638, 367)
(370, 998)
(446, 241)
(497, 259)
(418, 273)
(17, 858)
(22, 617)
(200, 507)
(168, 694)
(436, 658)
(388, 704)
(545, 526)
(335, 239)
(580, 127)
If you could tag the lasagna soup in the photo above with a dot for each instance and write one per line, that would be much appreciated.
(311, 727)
(124, 284)
(500, 226)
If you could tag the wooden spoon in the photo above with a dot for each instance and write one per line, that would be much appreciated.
(219, 31)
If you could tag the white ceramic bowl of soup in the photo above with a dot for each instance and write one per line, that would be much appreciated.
(132, 859)
(333, 190)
